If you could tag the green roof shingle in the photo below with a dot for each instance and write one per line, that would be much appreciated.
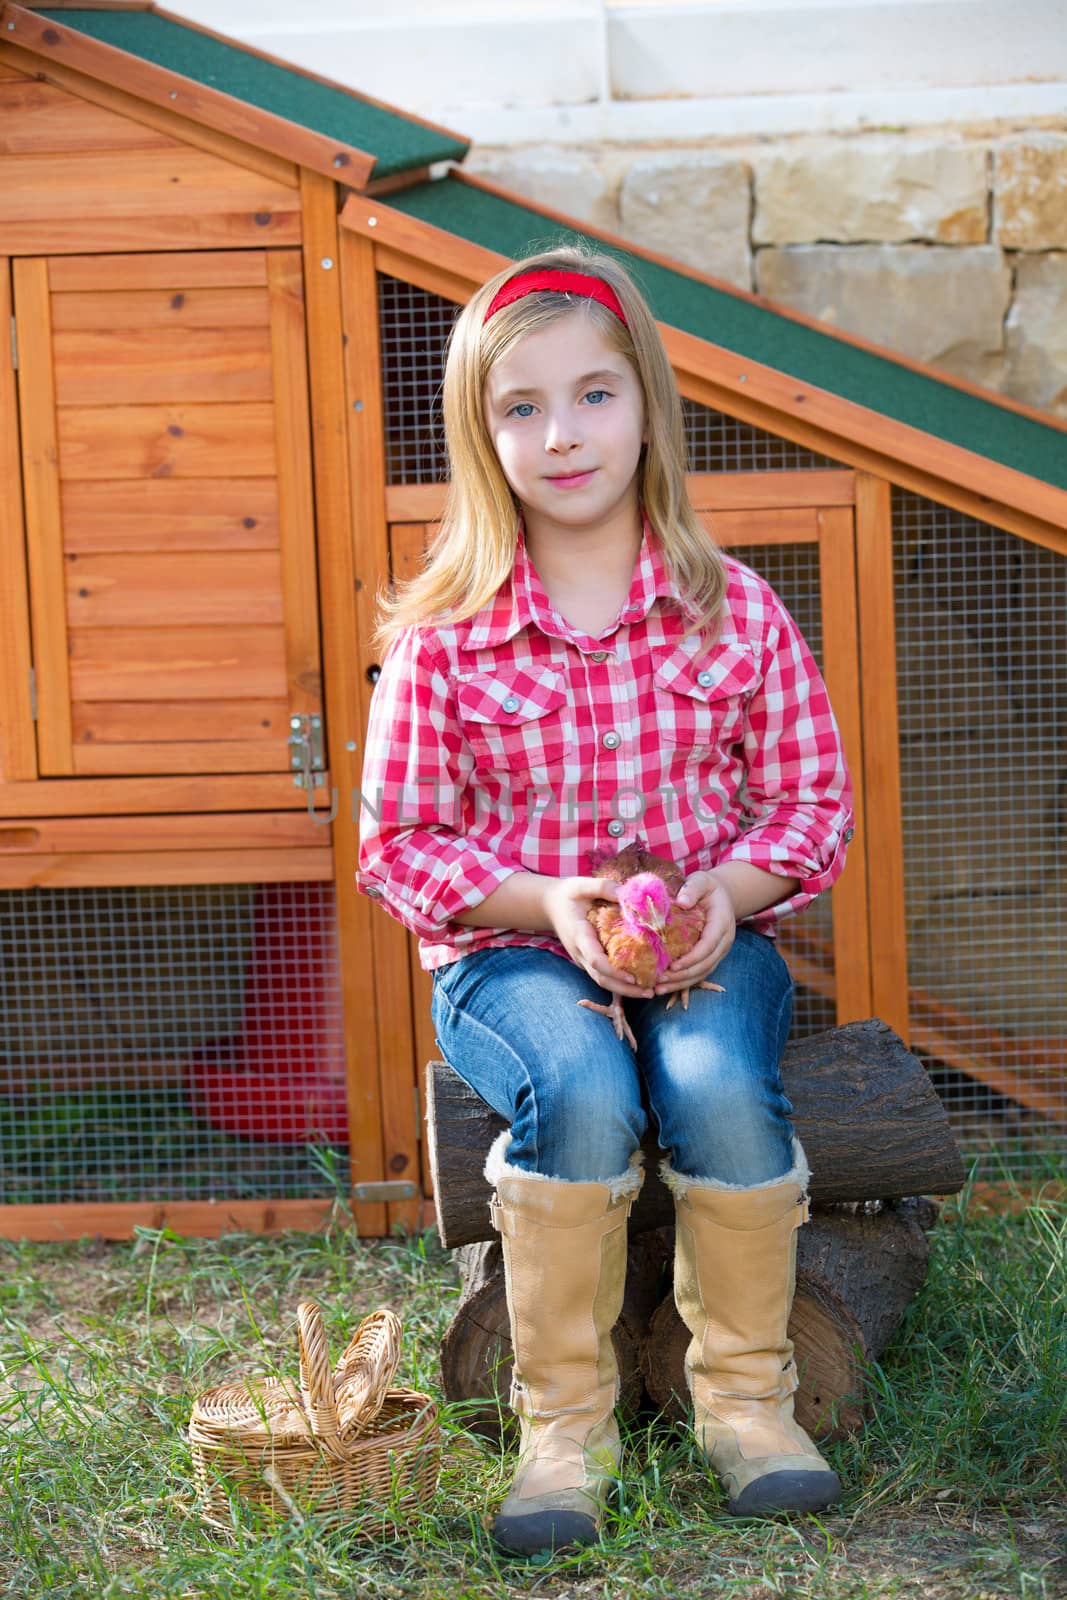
(398, 143)
(761, 334)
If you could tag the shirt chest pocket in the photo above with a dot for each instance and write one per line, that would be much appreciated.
(700, 704)
(515, 721)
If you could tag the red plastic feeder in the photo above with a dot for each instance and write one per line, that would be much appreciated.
(282, 1078)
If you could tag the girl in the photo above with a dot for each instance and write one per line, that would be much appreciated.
(579, 665)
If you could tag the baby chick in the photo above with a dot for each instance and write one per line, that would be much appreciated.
(644, 930)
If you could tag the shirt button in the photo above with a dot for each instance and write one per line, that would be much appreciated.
(615, 827)
(704, 679)
(374, 892)
(598, 655)
(511, 704)
(612, 741)
(849, 832)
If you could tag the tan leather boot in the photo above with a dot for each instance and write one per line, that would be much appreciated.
(564, 1247)
(735, 1273)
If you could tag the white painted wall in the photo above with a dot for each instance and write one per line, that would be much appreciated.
(563, 70)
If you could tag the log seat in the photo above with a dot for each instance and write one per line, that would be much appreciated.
(878, 1142)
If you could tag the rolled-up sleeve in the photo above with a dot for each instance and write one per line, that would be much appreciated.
(413, 858)
(798, 792)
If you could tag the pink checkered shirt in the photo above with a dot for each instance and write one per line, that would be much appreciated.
(512, 742)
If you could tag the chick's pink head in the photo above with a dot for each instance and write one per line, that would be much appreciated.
(645, 899)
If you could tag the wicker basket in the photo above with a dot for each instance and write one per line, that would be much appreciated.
(343, 1442)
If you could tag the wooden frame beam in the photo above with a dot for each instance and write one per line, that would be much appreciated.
(107, 868)
(342, 651)
(367, 470)
(881, 751)
(100, 797)
(18, 745)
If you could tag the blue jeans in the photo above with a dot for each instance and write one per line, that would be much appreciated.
(509, 1022)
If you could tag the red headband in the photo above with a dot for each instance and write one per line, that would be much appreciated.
(579, 283)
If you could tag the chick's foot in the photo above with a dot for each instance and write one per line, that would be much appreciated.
(683, 994)
(617, 1017)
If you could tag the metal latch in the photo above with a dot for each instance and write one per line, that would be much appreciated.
(305, 742)
(398, 1189)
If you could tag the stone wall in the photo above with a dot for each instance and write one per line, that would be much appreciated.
(948, 246)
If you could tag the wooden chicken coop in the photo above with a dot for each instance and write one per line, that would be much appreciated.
(230, 285)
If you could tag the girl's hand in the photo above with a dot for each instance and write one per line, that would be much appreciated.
(711, 895)
(567, 902)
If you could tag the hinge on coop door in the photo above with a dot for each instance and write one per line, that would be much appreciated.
(14, 344)
(392, 1189)
(305, 743)
(33, 694)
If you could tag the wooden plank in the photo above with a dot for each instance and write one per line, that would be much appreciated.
(18, 747)
(39, 118)
(296, 507)
(94, 797)
(881, 751)
(186, 270)
(193, 663)
(133, 108)
(70, 233)
(180, 441)
(128, 305)
(841, 666)
(93, 870)
(426, 1049)
(754, 491)
(194, 1219)
(399, 1062)
(708, 491)
(169, 514)
(187, 721)
(174, 755)
(45, 37)
(780, 526)
(414, 502)
(163, 182)
(44, 529)
(398, 1065)
(407, 549)
(161, 365)
(342, 653)
(173, 590)
(248, 830)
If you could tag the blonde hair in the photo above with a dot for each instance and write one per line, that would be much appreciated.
(473, 552)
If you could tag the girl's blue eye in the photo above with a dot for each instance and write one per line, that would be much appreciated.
(596, 397)
(523, 409)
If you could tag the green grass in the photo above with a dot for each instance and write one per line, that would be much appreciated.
(956, 1488)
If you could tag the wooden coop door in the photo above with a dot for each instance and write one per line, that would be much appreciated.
(807, 551)
(167, 481)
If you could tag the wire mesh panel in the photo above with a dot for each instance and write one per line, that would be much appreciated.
(719, 443)
(178, 1043)
(792, 570)
(413, 328)
(982, 665)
